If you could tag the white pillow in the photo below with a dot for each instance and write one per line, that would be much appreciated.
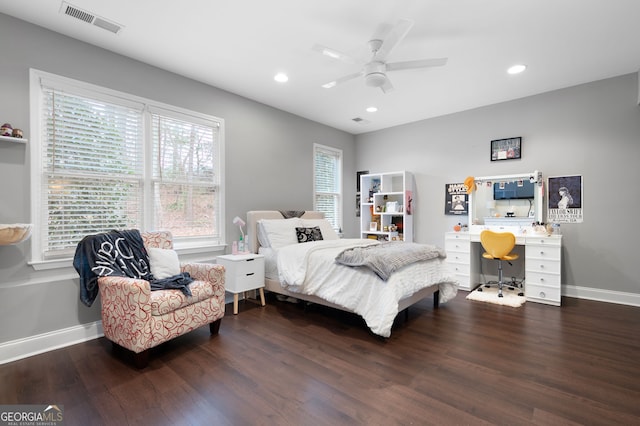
(164, 263)
(325, 227)
(278, 233)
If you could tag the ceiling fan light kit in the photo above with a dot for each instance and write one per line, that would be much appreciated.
(375, 79)
(375, 71)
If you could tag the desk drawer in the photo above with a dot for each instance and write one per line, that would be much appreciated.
(542, 293)
(457, 246)
(536, 251)
(544, 241)
(464, 281)
(534, 265)
(458, 258)
(552, 280)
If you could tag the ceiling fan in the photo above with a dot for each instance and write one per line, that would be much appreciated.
(376, 69)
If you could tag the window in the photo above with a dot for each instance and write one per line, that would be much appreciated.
(105, 160)
(327, 179)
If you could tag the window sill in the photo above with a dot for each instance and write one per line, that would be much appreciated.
(188, 249)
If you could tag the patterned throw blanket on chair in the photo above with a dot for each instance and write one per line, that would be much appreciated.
(385, 258)
(118, 253)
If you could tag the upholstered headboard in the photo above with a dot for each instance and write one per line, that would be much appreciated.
(255, 215)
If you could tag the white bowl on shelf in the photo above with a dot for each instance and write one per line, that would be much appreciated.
(14, 233)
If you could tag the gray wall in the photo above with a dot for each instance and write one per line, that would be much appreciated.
(591, 130)
(265, 148)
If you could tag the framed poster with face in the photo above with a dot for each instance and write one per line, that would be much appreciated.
(456, 201)
(565, 199)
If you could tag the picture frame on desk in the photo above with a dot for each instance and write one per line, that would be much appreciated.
(506, 149)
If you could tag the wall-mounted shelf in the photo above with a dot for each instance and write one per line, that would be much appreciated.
(14, 233)
(12, 139)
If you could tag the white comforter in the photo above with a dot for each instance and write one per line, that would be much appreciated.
(310, 268)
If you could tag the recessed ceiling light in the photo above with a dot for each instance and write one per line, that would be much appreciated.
(372, 109)
(517, 69)
(281, 77)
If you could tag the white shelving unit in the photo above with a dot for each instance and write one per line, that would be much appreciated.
(12, 139)
(386, 200)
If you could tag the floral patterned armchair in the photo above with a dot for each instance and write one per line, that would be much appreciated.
(136, 318)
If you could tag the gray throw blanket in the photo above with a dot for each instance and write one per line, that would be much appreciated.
(385, 258)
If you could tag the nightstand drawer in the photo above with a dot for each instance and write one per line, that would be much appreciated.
(245, 267)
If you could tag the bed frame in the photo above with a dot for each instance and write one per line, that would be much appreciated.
(274, 285)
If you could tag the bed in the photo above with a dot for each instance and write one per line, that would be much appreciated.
(310, 272)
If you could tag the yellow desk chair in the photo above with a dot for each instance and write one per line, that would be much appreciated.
(498, 246)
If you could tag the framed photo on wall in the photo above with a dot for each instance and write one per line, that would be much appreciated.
(506, 149)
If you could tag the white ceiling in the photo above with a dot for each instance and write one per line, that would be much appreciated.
(238, 46)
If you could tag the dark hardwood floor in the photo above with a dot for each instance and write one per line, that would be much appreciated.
(466, 363)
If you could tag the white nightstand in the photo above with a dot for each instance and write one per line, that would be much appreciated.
(243, 272)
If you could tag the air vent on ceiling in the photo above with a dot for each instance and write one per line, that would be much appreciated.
(90, 18)
(360, 120)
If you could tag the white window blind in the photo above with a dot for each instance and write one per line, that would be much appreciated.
(328, 183)
(92, 169)
(185, 158)
(107, 160)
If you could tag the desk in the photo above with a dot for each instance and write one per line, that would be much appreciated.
(542, 263)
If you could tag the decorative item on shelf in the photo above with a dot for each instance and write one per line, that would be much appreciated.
(17, 133)
(6, 130)
(457, 227)
(549, 228)
(539, 228)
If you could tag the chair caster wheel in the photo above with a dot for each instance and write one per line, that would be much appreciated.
(521, 294)
(500, 295)
(479, 288)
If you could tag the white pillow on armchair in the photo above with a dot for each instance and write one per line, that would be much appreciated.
(164, 263)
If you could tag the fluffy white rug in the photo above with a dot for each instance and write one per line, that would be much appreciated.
(490, 295)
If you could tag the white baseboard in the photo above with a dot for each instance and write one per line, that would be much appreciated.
(599, 295)
(34, 345)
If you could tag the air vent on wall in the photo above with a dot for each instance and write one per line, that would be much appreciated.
(90, 18)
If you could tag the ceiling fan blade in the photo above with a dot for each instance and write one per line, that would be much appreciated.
(387, 86)
(395, 36)
(333, 53)
(341, 80)
(420, 63)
